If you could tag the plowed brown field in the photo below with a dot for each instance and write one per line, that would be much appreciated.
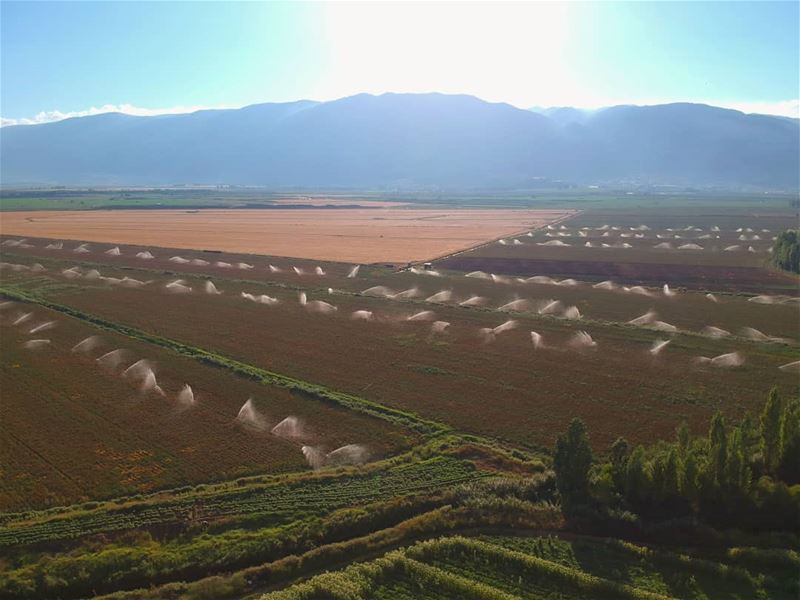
(353, 235)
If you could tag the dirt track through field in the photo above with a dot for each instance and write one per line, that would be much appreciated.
(354, 235)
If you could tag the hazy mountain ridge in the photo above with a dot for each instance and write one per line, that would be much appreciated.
(408, 139)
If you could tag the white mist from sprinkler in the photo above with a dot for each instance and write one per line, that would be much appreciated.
(319, 271)
(130, 282)
(320, 307)
(298, 271)
(542, 279)
(34, 344)
(572, 313)
(55, 246)
(22, 318)
(499, 278)
(223, 265)
(439, 326)
(88, 344)
(351, 454)
(362, 315)
(473, 301)
(715, 332)
(552, 243)
(645, 319)
(303, 298)
(93, 275)
(379, 290)
(82, 249)
(425, 315)
(37, 268)
(314, 457)
(115, 251)
(443, 296)
(568, 282)
(637, 289)
(502, 242)
(732, 359)
(180, 260)
(478, 275)
(668, 292)
(145, 255)
(516, 242)
(537, 340)
(43, 327)
(138, 369)
(792, 367)
(490, 333)
(274, 269)
(732, 248)
(605, 285)
(763, 299)
(515, 305)
(112, 359)
(186, 395)
(290, 427)
(248, 415)
(244, 266)
(71, 273)
(178, 287)
(353, 271)
(199, 262)
(754, 334)
(582, 339)
(712, 297)
(150, 384)
(210, 288)
(549, 307)
(658, 346)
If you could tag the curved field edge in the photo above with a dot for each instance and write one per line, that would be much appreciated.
(319, 392)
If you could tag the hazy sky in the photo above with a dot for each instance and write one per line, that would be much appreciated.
(69, 57)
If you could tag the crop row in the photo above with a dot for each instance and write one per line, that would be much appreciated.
(315, 495)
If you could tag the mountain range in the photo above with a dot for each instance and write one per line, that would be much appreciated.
(409, 140)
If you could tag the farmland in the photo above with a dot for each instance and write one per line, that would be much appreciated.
(445, 388)
(358, 235)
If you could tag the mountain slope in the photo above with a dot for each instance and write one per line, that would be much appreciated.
(407, 140)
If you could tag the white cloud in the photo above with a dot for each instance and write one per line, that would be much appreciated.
(51, 116)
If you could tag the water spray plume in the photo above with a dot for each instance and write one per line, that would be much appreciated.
(82, 249)
(199, 262)
(314, 457)
(22, 318)
(605, 285)
(439, 326)
(362, 315)
(569, 282)
(34, 344)
(473, 301)
(112, 359)
(443, 296)
(714, 332)
(662, 326)
(582, 339)
(319, 271)
(549, 307)
(542, 279)
(409, 293)
(88, 344)
(178, 287)
(274, 269)
(55, 246)
(223, 265)
(478, 275)
(93, 274)
(572, 313)
(318, 306)
(249, 416)
(712, 297)
(210, 288)
(244, 266)
(186, 395)
(180, 260)
(645, 319)
(537, 340)
(130, 282)
(146, 255)
(351, 454)
(658, 346)
(515, 305)
(290, 427)
(380, 291)
(753, 334)
(732, 248)
(425, 315)
(297, 270)
(303, 298)
(792, 367)
(43, 327)
(668, 292)
(115, 251)
(150, 384)
(353, 272)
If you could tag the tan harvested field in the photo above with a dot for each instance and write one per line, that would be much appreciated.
(353, 235)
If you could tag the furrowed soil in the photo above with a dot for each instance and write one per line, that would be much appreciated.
(75, 429)
(506, 388)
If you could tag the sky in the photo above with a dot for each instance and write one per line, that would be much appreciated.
(74, 58)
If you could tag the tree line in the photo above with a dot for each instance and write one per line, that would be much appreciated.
(786, 251)
(745, 476)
